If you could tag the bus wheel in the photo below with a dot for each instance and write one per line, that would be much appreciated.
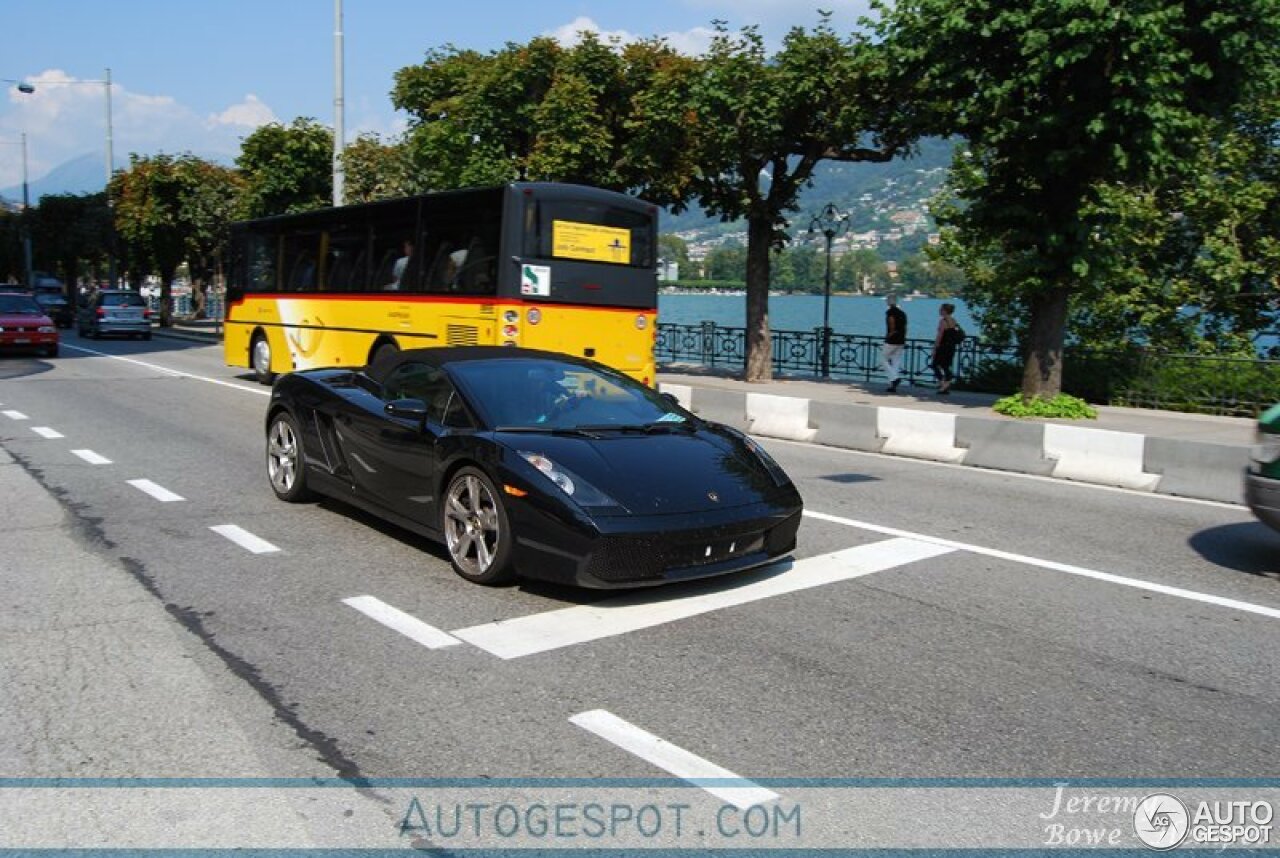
(260, 358)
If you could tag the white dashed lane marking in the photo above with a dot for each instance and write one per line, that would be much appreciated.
(406, 624)
(46, 432)
(730, 788)
(160, 493)
(641, 610)
(91, 457)
(244, 538)
(15, 415)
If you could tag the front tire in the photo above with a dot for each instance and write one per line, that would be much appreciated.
(476, 529)
(286, 465)
(260, 358)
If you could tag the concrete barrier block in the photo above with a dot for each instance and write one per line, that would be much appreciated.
(682, 392)
(1004, 445)
(1098, 456)
(919, 434)
(721, 406)
(1198, 469)
(779, 417)
(839, 424)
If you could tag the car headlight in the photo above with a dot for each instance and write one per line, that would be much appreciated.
(47, 329)
(568, 482)
(1267, 448)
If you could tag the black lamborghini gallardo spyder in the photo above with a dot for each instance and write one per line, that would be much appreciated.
(532, 464)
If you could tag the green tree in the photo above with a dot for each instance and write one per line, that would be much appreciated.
(69, 232)
(760, 124)
(212, 196)
(287, 168)
(147, 200)
(861, 270)
(675, 250)
(377, 171)
(593, 113)
(1059, 100)
(726, 262)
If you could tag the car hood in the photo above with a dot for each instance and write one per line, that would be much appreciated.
(23, 319)
(668, 472)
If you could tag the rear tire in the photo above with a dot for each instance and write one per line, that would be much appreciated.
(260, 358)
(383, 352)
(476, 529)
(286, 464)
(51, 351)
(147, 335)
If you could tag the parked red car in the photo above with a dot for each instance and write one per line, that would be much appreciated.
(24, 325)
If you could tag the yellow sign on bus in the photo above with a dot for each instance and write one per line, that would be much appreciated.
(574, 240)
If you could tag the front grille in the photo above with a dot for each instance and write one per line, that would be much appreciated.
(461, 335)
(654, 556)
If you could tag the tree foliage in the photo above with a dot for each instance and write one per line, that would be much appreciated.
(287, 168)
(377, 171)
(1061, 102)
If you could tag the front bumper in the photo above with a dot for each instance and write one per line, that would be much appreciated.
(107, 326)
(27, 341)
(1262, 494)
(645, 551)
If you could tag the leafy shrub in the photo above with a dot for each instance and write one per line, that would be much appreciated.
(1062, 405)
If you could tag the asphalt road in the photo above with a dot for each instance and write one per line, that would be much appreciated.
(954, 622)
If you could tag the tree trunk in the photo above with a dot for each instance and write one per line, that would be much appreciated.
(166, 296)
(1043, 373)
(759, 366)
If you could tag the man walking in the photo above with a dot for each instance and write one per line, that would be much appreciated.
(895, 341)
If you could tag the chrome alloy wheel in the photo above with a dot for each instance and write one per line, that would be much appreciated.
(472, 527)
(282, 457)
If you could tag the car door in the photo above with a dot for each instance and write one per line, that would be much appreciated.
(394, 459)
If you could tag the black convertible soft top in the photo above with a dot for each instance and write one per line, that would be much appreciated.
(384, 366)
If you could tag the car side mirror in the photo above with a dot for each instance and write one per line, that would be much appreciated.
(407, 409)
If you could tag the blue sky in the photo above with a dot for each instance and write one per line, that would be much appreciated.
(198, 75)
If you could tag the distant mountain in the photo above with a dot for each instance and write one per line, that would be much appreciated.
(83, 175)
(870, 193)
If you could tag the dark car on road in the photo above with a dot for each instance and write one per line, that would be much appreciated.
(24, 326)
(115, 311)
(1262, 480)
(55, 305)
(532, 464)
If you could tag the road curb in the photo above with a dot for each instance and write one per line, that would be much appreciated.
(1172, 466)
(189, 336)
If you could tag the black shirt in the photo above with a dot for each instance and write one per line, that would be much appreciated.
(895, 327)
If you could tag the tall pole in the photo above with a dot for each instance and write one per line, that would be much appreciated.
(26, 219)
(826, 310)
(339, 133)
(111, 226)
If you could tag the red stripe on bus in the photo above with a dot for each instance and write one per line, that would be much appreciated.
(431, 299)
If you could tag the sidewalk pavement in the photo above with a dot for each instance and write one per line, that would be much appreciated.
(1190, 455)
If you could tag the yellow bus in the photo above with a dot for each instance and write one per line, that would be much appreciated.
(564, 268)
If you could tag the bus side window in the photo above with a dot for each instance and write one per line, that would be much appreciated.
(344, 268)
(261, 261)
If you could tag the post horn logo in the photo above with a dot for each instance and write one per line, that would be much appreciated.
(1161, 821)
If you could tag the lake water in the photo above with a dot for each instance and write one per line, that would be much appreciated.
(850, 314)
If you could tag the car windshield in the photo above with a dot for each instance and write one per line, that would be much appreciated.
(548, 395)
(123, 299)
(20, 305)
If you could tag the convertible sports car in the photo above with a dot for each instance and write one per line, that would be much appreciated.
(534, 464)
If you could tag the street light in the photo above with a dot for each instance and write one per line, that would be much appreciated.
(106, 87)
(831, 222)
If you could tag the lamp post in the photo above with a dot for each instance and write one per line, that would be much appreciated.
(29, 88)
(26, 89)
(339, 131)
(831, 222)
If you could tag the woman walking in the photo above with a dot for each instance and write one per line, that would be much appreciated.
(944, 348)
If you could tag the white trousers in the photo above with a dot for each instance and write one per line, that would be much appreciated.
(892, 355)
